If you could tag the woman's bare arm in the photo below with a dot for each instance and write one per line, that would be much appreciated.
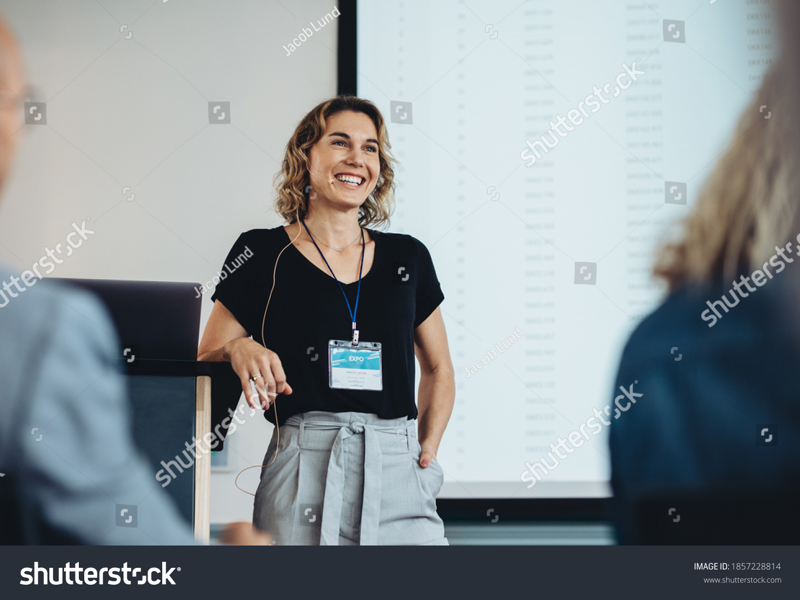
(222, 327)
(437, 390)
(224, 339)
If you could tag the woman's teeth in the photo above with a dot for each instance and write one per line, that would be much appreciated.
(350, 181)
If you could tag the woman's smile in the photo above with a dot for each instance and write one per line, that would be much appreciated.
(350, 181)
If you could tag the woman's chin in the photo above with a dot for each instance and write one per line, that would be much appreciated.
(346, 202)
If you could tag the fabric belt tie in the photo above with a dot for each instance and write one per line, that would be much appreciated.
(334, 483)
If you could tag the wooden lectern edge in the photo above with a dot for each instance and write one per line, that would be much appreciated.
(202, 466)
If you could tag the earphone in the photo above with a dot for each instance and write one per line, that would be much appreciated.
(264, 343)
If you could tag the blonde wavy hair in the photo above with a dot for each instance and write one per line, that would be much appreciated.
(292, 181)
(748, 204)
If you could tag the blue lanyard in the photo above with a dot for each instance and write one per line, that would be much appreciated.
(358, 293)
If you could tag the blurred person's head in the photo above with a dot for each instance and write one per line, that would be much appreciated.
(12, 94)
(749, 203)
(13, 90)
(315, 155)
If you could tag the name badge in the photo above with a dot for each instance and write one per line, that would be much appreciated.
(354, 367)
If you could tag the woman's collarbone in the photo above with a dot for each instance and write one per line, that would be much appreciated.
(346, 262)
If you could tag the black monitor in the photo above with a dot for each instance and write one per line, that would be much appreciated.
(154, 319)
(157, 322)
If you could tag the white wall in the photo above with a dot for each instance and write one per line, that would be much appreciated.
(134, 112)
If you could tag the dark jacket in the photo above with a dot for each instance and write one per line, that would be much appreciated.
(709, 393)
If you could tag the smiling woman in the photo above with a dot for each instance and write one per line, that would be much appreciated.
(300, 179)
(351, 467)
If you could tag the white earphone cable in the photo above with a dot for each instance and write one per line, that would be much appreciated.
(263, 343)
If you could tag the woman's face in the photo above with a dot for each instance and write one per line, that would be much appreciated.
(349, 147)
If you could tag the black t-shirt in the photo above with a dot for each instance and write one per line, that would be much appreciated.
(308, 309)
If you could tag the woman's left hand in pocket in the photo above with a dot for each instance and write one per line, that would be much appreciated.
(428, 454)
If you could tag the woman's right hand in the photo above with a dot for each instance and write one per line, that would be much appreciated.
(249, 358)
(242, 533)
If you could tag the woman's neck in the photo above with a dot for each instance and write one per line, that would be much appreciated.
(336, 229)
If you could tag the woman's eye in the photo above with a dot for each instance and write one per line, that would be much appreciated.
(372, 148)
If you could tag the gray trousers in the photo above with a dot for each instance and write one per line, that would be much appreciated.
(348, 478)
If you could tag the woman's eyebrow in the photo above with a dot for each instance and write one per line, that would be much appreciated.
(347, 137)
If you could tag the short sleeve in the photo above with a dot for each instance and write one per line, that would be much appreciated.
(237, 288)
(429, 291)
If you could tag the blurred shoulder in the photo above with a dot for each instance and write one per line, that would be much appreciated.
(264, 237)
(44, 305)
(683, 321)
(49, 321)
(676, 318)
(255, 246)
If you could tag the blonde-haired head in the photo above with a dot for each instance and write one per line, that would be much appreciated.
(748, 203)
(292, 182)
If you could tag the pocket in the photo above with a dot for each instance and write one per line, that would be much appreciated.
(439, 472)
(433, 460)
(282, 454)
